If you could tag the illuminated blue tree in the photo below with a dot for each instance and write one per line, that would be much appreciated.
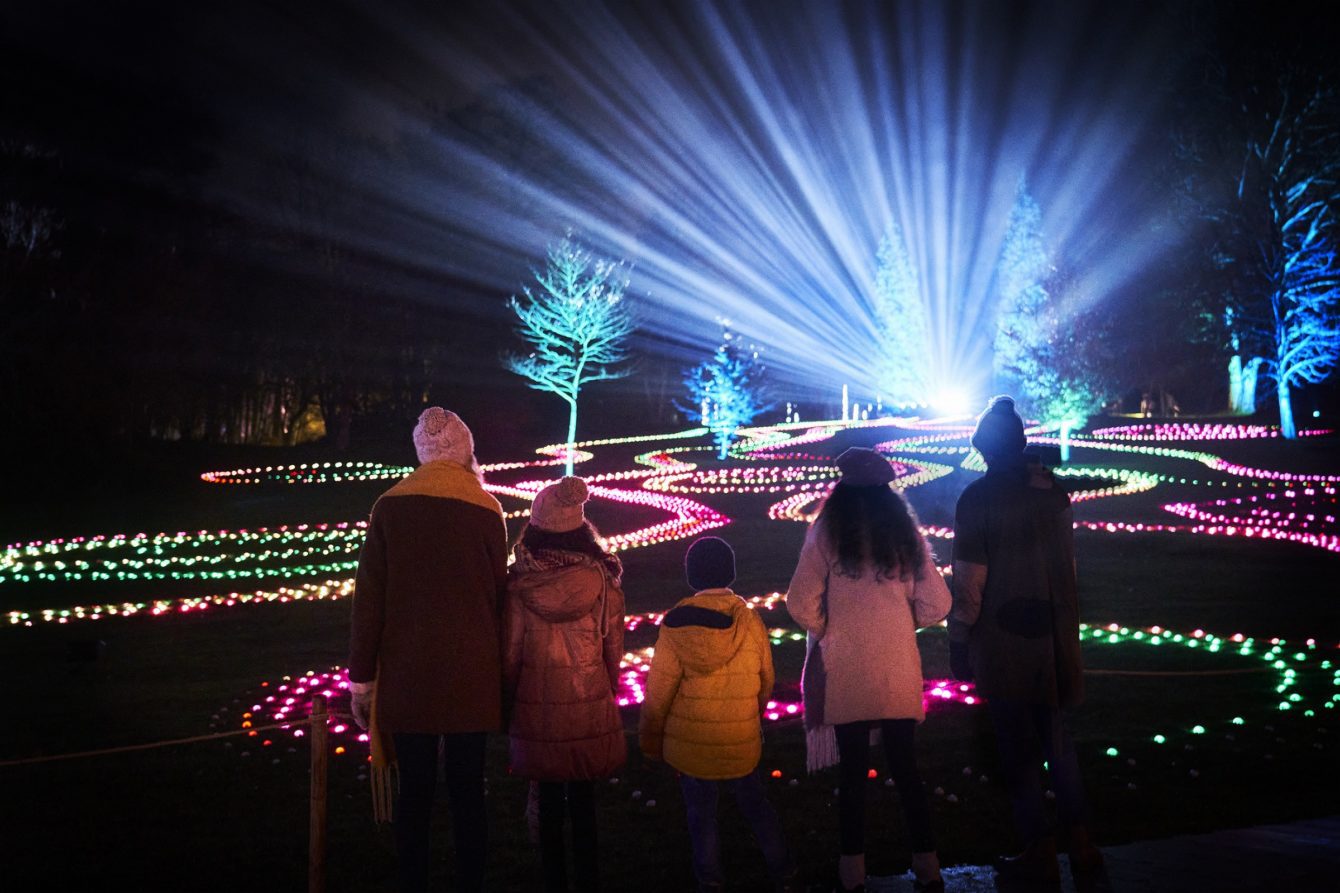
(724, 391)
(576, 323)
(1288, 195)
(904, 358)
(1050, 367)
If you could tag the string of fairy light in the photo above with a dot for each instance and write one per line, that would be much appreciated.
(1191, 431)
(662, 478)
(199, 555)
(673, 474)
(1305, 682)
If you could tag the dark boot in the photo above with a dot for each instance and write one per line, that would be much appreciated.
(1085, 857)
(851, 872)
(1036, 864)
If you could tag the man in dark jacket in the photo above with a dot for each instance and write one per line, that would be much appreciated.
(1014, 628)
(425, 661)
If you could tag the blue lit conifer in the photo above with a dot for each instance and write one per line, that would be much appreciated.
(903, 366)
(1045, 365)
(724, 391)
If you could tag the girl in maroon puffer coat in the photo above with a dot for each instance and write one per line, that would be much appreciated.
(563, 623)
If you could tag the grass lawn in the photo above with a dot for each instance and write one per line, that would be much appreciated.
(205, 817)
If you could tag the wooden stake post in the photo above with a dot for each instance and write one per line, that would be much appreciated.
(316, 857)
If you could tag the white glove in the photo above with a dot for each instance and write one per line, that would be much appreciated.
(360, 702)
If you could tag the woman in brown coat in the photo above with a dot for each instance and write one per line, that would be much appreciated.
(564, 619)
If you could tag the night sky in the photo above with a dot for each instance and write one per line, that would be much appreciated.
(244, 192)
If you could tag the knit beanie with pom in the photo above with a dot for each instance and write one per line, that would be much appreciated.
(1000, 430)
(558, 507)
(441, 434)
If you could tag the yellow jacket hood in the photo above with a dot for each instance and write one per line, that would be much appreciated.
(706, 630)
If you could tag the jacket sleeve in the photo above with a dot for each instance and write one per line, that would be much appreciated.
(514, 640)
(497, 550)
(970, 566)
(613, 644)
(767, 676)
(369, 603)
(805, 595)
(931, 600)
(662, 686)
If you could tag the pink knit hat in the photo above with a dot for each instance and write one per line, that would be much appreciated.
(442, 435)
(558, 507)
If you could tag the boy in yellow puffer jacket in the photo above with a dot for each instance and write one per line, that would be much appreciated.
(710, 681)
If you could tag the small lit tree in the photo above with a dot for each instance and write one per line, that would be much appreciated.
(1064, 402)
(724, 392)
(904, 354)
(576, 323)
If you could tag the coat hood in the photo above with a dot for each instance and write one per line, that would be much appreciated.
(564, 593)
(705, 629)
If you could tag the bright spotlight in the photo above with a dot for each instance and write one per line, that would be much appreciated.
(952, 400)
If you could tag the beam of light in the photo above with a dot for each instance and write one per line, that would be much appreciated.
(743, 160)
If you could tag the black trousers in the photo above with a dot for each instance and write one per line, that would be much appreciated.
(1026, 735)
(575, 800)
(853, 740)
(416, 756)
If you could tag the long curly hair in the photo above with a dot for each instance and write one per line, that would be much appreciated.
(872, 527)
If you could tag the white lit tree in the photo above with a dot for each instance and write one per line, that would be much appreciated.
(1287, 196)
(724, 391)
(904, 357)
(577, 325)
(1045, 363)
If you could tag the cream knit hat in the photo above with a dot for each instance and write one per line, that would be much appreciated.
(442, 435)
(558, 507)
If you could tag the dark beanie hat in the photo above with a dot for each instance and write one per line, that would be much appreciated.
(863, 467)
(710, 564)
(1000, 430)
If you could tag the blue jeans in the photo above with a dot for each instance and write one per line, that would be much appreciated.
(416, 756)
(1027, 734)
(700, 800)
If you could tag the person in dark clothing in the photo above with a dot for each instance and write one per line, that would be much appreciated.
(1014, 629)
(425, 654)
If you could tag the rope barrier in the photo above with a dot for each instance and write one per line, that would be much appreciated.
(153, 745)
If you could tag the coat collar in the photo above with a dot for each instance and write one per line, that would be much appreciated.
(446, 480)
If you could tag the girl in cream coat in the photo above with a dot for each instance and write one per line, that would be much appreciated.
(865, 582)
